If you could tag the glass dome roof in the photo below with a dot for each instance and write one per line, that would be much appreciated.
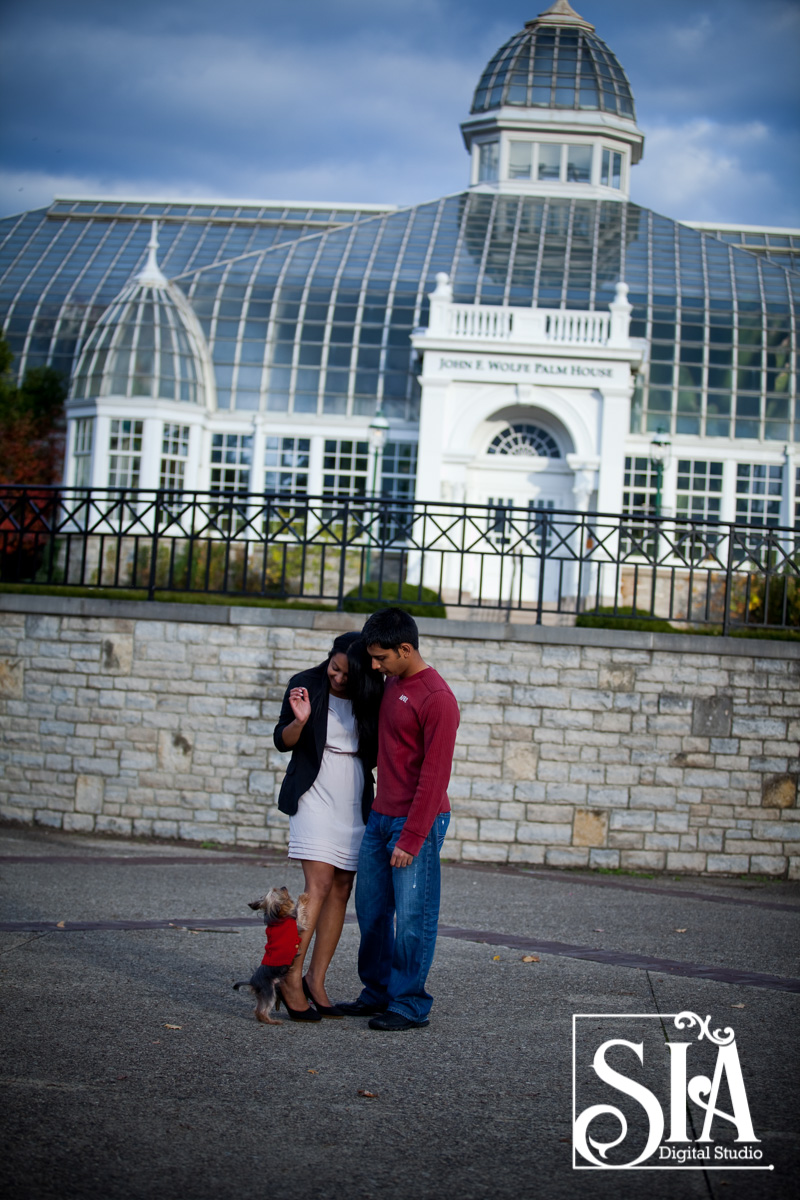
(556, 61)
(147, 344)
(299, 324)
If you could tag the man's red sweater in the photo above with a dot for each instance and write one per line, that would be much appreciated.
(417, 733)
(283, 942)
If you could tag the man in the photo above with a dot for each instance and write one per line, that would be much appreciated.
(398, 866)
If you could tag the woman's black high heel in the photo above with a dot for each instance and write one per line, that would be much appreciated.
(295, 1014)
(324, 1010)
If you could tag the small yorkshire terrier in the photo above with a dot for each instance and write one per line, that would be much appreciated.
(285, 922)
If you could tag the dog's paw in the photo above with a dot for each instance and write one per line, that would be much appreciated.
(302, 912)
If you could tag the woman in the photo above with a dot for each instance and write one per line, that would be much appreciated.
(329, 720)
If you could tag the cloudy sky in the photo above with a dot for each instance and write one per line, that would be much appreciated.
(361, 99)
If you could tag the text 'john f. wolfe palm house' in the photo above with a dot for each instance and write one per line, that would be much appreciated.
(535, 340)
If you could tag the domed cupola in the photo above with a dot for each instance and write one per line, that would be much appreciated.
(553, 113)
(557, 61)
(147, 345)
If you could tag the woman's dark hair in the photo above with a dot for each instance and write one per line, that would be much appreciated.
(364, 690)
(341, 643)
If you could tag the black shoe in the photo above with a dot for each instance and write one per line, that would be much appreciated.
(394, 1022)
(360, 1008)
(324, 1010)
(296, 1014)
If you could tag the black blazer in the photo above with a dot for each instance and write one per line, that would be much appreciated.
(307, 751)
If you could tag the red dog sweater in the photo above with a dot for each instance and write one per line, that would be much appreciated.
(283, 942)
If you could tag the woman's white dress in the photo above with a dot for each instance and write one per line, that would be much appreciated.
(328, 826)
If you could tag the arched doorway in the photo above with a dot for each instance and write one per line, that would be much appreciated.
(520, 460)
(519, 469)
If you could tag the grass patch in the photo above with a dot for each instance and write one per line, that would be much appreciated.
(100, 593)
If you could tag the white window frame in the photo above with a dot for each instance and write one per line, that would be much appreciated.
(125, 461)
(338, 472)
(287, 468)
(484, 146)
(753, 496)
(623, 166)
(238, 469)
(82, 451)
(704, 501)
(531, 145)
(174, 455)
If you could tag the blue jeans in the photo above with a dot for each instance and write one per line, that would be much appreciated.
(393, 963)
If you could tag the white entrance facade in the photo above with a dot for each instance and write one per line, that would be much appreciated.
(522, 409)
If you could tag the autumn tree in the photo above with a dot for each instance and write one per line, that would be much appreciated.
(32, 423)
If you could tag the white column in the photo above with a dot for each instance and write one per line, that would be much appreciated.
(615, 425)
(584, 484)
(102, 434)
(788, 485)
(150, 464)
(428, 487)
(728, 505)
(669, 486)
(202, 477)
(196, 458)
(257, 465)
(68, 475)
(583, 487)
(315, 453)
(432, 426)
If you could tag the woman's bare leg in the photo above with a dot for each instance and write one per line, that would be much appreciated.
(329, 930)
(319, 881)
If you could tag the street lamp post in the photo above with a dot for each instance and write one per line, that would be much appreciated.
(660, 451)
(378, 429)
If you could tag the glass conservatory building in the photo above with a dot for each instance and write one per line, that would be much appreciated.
(536, 337)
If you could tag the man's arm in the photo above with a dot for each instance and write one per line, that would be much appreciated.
(439, 718)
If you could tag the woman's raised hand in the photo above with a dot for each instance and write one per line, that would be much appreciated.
(301, 705)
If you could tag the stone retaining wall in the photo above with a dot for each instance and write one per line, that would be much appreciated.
(577, 747)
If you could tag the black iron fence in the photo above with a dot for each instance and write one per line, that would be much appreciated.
(340, 550)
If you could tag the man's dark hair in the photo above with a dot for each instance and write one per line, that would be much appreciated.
(389, 628)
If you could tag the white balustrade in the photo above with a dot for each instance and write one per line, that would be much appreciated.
(481, 321)
(533, 326)
(577, 328)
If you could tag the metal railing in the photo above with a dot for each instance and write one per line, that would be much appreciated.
(537, 564)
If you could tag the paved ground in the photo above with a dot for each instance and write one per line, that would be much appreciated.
(131, 1069)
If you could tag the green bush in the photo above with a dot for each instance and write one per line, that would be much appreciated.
(767, 635)
(603, 618)
(623, 617)
(782, 600)
(412, 598)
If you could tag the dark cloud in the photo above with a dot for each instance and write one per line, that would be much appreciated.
(349, 99)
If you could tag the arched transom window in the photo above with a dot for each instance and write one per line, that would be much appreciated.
(525, 440)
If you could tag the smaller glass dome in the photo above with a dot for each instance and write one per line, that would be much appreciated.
(147, 344)
(556, 61)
